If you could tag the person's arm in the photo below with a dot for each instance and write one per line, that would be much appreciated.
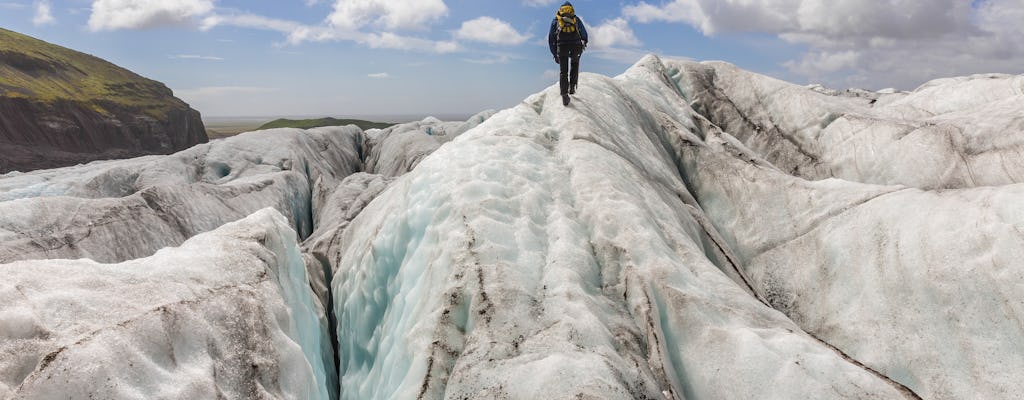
(552, 37)
(583, 31)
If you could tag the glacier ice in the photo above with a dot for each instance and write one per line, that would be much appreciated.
(948, 133)
(146, 204)
(549, 254)
(686, 230)
(397, 150)
(631, 246)
(227, 314)
(126, 210)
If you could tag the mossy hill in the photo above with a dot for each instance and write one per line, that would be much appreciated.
(62, 107)
(33, 69)
(316, 123)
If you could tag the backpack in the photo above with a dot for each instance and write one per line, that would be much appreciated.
(566, 20)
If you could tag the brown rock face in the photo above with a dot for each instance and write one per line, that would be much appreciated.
(59, 107)
(36, 135)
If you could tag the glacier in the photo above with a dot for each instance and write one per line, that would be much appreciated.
(685, 230)
(217, 317)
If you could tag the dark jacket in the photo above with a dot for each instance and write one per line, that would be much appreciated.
(554, 40)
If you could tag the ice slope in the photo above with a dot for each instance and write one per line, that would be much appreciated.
(397, 150)
(129, 209)
(925, 286)
(949, 133)
(556, 252)
(149, 203)
(228, 314)
(921, 281)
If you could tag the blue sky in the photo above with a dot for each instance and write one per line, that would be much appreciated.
(456, 57)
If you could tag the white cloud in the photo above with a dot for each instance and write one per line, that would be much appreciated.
(676, 11)
(620, 55)
(195, 57)
(384, 40)
(388, 40)
(249, 21)
(13, 5)
(43, 15)
(612, 34)
(490, 30)
(877, 43)
(826, 62)
(352, 15)
(498, 59)
(379, 75)
(140, 14)
(540, 3)
(343, 24)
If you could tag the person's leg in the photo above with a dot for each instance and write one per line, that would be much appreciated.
(563, 66)
(574, 69)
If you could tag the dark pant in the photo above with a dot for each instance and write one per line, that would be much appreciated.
(569, 52)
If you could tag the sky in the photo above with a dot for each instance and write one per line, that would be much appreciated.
(457, 57)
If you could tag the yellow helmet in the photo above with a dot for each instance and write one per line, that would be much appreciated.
(566, 10)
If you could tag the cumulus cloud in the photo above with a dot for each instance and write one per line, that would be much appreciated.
(375, 40)
(613, 33)
(43, 15)
(373, 23)
(249, 21)
(824, 18)
(140, 14)
(386, 14)
(496, 59)
(490, 30)
(614, 40)
(388, 40)
(13, 5)
(195, 57)
(866, 42)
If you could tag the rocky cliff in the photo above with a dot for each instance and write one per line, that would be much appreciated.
(60, 107)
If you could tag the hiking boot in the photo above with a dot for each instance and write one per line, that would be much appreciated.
(565, 99)
(572, 90)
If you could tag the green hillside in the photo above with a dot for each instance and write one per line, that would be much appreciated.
(316, 123)
(43, 72)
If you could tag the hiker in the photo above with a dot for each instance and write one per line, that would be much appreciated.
(567, 39)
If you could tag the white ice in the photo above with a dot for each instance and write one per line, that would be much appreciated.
(685, 230)
(228, 314)
(145, 204)
(556, 252)
(114, 211)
